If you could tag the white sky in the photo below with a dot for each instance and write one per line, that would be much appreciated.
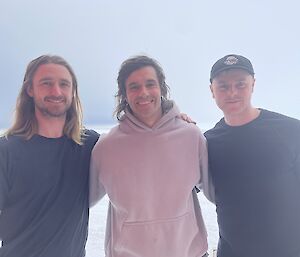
(186, 37)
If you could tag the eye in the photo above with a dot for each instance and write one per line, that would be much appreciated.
(223, 87)
(65, 84)
(133, 87)
(151, 84)
(46, 83)
(241, 84)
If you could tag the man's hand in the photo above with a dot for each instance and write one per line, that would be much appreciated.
(186, 118)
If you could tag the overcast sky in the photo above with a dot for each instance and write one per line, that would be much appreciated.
(186, 37)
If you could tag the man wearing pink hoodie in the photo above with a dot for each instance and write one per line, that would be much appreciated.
(149, 165)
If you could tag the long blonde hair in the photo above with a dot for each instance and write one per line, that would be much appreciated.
(25, 123)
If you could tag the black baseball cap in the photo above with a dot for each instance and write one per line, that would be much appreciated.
(231, 61)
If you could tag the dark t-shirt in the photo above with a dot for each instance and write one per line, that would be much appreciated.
(256, 172)
(44, 196)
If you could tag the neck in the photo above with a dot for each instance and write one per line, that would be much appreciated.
(242, 118)
(51, 127)
(150, 122)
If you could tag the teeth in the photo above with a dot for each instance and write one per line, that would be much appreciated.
(56, 101)
(142, 103)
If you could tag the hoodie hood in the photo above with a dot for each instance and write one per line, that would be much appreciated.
(129, 121)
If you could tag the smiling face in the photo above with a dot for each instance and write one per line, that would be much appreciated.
(143, 94)
(232, 91)
(52, 91)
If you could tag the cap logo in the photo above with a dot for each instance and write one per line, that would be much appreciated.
(230, 60)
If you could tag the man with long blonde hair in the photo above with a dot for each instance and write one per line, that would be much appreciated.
(44, 165)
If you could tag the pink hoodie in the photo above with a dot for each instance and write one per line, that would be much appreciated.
(149, 175)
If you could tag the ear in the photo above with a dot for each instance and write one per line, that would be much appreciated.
(253, 84)
(29, 91)
(211, 90)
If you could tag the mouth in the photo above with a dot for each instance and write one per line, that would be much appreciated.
(56, 100)
(144, 102)
(233, 101)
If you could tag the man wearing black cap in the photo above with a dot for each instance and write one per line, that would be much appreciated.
(254, 158)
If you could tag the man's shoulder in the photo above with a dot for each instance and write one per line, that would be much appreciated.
(110, 138)
(11, 145)
(112, 135)
(90, 136)
(10, 141)
(186, 128)
(4, 143)
(91, 133)
(280, 118)
(216, 129)
(3, 140)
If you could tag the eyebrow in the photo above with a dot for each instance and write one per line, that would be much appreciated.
(132, 84)
(151, 80)
(50, 78)
(225, 82)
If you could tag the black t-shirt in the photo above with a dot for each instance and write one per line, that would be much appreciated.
(44, 196)
(256, 172)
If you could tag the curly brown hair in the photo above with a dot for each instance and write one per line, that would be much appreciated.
(127, 67)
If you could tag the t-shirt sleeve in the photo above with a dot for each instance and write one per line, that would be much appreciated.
(3, 176)
(298, 152)
(97, 190)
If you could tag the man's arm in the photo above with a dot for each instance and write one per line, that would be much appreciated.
(97, 190)
(205, 183)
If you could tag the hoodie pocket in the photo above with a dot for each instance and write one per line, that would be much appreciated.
(167, 237)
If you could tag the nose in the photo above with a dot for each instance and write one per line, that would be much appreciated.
(55, 89)
(144, 91)
(232, 90)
